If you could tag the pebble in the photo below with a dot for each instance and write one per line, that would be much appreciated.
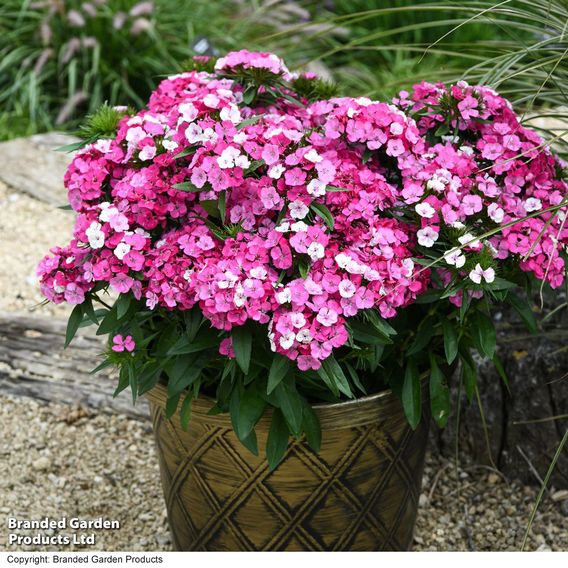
(561, 495)
(42, 464)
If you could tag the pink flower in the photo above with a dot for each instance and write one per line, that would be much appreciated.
(123, 344)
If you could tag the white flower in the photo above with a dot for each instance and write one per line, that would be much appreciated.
(425, 210)
(121, 250)
(316, 188)
(478, 274)
(169, 145)
(276, 171)
(342, 260)
(457, 225)
(259, 272)
(427, 237)
(354, 267)
(408, 263)
(242, 162)
(287, 340)
(239, 298)
(284, 296)
(228, 157)
(298, 209)
(95, 235)
(469, 240)
(495, 213)
(304, 336)
(298, 319)
(347, 289)
(188, 111)
(211, 100)
(193, 133)
(533, 204)
(467, 150)
(455, 258)
(231, 113)
(299, 227)
(313, 156)
(436, 184)
(284, 227)
(107, 212)
(316, 251)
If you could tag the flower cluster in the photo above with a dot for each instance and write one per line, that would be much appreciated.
(257, 205)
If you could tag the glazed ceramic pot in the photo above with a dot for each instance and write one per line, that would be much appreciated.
(359, 493)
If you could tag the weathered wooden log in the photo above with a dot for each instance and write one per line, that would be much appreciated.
(44, 180)
(526, 420)
(33, 363)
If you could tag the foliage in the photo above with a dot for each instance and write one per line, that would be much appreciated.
(61, 59)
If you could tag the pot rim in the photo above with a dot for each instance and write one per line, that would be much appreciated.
(381, 406)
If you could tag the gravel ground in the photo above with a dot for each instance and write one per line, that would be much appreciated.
(28, 229)
(61, 461)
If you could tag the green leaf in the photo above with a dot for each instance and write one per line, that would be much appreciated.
(304, 267)
(469, 376)
(185, 371)
(250, 443)
(109, 322)
(65, 207)
(186, 152)
(192, 319)
(523, 308)
(185, 411)
(249, 121)
(242, 344)
(423, 335)
(367, 333)
(439, 394)
(73, 324)
(122, 304)
(379, 323)
(311, 427)
(106, 363)
(89, 311)
(355, 377)
(171, 405)
(290, 403)
(251, 409)
(222, 204)
(411, 394)
(501, 371)
(322, 211)
(278, 370)
(336, 189)
(450, 341)
(277, 441)
(336, 374)
(254, 165)
(484, 335)
(123, 382)
(187, 186)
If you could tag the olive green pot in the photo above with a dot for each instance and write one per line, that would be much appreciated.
(360, 492)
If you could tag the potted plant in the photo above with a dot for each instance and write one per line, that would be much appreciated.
(291, 279)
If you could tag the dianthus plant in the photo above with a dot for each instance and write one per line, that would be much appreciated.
(252, 238)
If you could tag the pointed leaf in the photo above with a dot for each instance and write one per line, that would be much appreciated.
(411, 394)
(277, 441)
(242, 344)
(278, 370)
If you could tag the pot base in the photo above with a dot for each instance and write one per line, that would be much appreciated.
(359, 493)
